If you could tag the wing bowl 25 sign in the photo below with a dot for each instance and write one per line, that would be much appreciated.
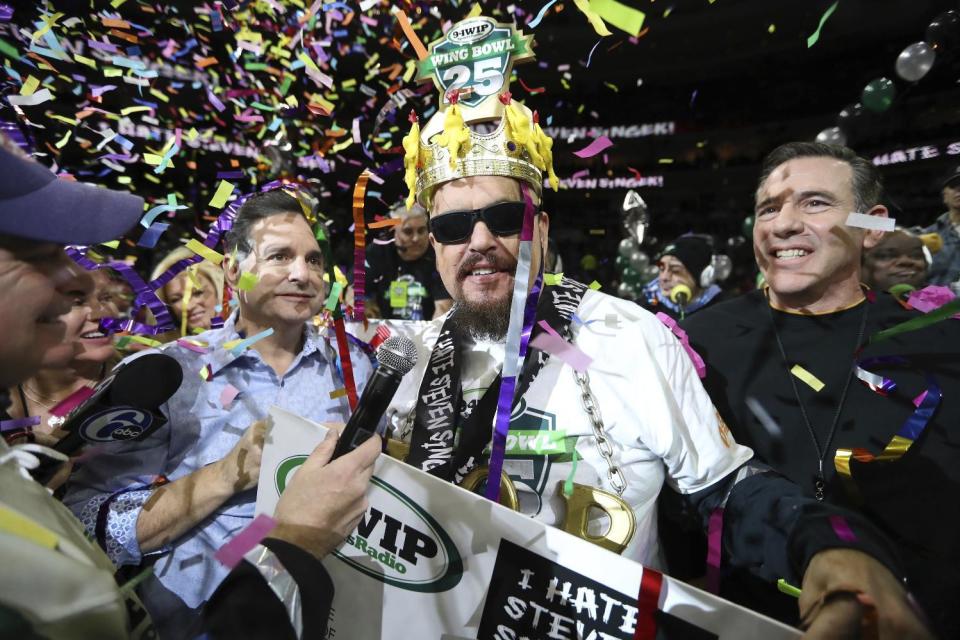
(475, 58)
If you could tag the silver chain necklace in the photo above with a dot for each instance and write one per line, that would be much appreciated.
(589, 401)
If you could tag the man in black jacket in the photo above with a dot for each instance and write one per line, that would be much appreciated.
(805, 373)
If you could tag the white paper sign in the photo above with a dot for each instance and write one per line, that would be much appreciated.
(431, 560)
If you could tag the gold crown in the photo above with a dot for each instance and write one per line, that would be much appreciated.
(452, 145)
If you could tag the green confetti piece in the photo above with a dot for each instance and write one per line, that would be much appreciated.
(334, 296)
(812, 40)
(595, 285)
(247, 281)
(568, 483)
(785, 587)
(551, 279)
(937, 315)
(8, 49)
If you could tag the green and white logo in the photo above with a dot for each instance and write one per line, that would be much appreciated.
(396, 541)
(475, 58)
(285, 471)
(399, 543)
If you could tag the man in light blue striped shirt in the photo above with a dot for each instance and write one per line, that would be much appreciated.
(209, 450)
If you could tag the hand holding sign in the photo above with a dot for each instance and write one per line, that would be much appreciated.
(323, 503)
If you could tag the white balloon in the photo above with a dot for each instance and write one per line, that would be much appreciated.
(832, 135)
(626, 291)
(639, 260)
(915, 61)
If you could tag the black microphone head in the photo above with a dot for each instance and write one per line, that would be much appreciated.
(397, 353)
(146, 382)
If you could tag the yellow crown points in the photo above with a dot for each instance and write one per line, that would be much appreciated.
(456, 135)
(545, 147)
(411, 157)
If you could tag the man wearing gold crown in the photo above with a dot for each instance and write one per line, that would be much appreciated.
(583, 440)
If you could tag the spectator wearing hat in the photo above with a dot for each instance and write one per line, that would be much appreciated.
(946, 263)
(686, 281)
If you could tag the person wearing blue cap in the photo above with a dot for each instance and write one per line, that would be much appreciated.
(58, 584)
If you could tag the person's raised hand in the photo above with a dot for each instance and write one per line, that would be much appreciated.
(325, 500)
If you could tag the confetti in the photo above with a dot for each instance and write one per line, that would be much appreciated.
(150, 237)
(247, 282)
(785, 587)
(553, 343)
(39, 97)
(386, 222)
(620, 15)
(231, 553)
(533, 24)
(595, 147)
(228, 395)
(224, 189)
(411, 35)
(815, 36)
(237, 347)
(202, 250)
(334, 296)
(808, 378)
(872, 223)
(592, 17)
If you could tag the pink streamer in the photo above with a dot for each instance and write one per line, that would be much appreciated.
(698, 362)
(553, 343)
(714, 550)
(842, 529)
(930, 298)
(595, 147)
(71, 402)
(233, 551)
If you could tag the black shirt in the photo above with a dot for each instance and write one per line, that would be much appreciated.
(915, 499)
(418, 283)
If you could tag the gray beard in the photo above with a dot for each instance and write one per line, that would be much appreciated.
(482, 321)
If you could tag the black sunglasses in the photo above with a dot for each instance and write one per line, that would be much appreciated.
(455, 227)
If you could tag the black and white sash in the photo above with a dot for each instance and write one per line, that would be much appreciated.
(437, 417)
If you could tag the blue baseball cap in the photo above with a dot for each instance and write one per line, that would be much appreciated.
(36, 205)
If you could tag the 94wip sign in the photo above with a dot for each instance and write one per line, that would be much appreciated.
(475, 58)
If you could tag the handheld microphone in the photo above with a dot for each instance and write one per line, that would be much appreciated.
(396, 356)
(125, 406)
(680, 295)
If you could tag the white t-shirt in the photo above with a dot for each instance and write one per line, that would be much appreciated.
(655, 411)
